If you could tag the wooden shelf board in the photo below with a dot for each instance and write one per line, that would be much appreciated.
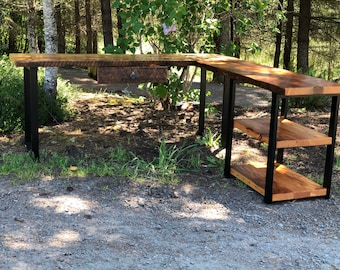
(289, 134)
(287, 184)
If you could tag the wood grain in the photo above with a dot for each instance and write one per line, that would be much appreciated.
(280, 81)
(277, 80)
(104, 60)
(287, 184)
(289, 134)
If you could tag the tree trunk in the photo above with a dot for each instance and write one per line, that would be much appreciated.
(13, 32)
(222, 41)
(107, 22)
(278, 39)
(40, 30)
(119, 25)
(31, 27)
(233, 36)
(288, 36)
(77, 25)
(303, 35)
(88, 26)
(51, 41)
(95, 42)
(60, 29)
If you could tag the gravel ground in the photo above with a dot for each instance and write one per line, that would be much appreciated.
(99, 224)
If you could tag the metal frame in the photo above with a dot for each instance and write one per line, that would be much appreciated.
(203, 92)
(228, 121)
(268, 196)
(31, 110)
(333, 121)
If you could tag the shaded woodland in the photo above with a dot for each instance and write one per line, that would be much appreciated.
(299, 35)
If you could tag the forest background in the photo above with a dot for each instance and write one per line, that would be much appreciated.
(302, 36)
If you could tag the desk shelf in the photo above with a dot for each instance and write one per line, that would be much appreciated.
(287, 184)
(289, 134)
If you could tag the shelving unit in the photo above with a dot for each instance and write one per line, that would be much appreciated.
(287, 184)
(289, 134)
(273, 180)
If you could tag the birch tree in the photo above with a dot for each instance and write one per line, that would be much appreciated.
(51, 46)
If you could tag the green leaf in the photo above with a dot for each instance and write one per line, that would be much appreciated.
(161, 91)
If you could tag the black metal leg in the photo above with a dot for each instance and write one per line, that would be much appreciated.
(27, 98)
(31, 110)
(268, 197)
(203, 91)
(330, 148)
(228, 122)
(284, 111)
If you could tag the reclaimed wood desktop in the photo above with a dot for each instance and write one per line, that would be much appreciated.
(273, 180)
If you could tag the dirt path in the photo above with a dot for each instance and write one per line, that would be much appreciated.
(244, 97)
(116, 223)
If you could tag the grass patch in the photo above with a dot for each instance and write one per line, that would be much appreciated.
(165, 168)
(337, 163)
(210, 139)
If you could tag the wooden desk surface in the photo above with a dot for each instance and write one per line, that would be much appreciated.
(277, 80)
(103, 60)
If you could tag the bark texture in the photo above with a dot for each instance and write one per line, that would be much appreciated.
(107, 22)
(31, 27)
(303, 35)
(51, 46)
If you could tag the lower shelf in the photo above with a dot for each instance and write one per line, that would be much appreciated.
(287, 184)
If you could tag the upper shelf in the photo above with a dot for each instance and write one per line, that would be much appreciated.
(289, 134)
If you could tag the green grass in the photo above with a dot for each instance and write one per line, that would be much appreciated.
(337, 163)
(210, 139)
(165, 168)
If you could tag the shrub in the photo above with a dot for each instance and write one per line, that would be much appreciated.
(11, 96)
(12, 100)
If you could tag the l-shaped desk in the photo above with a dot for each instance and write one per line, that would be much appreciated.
(273, 180)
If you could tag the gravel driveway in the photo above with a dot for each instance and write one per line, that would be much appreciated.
(98, 224)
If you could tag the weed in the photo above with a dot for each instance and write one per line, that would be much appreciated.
(105, 188)
(119, 155)
(210, 139)
(210, 109)
(241, 184)
(171, 161)
(264, 146)
(21, 166)
(337, 163)
(214, 162)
